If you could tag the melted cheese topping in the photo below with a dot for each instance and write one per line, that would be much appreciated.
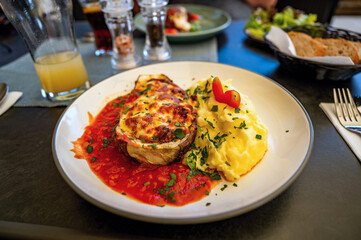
(229, 140)
(160, 109)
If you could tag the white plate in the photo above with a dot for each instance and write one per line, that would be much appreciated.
(290, 143)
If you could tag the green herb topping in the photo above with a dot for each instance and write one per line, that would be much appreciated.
(214, 108)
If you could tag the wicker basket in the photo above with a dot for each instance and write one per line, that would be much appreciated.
(316, 70)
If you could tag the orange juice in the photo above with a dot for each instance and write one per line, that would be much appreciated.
(61, 72)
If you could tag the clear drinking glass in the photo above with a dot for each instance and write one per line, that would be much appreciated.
(95, 17)
(46, 26)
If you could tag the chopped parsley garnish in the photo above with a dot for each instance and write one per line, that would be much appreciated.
(146, 183)
(154, 137)
(161, 191)
(235, 185)
(207, 193)
(224, 187)
(235, 118)
(199, 128)
(95, 159)
(258, 136)
(173, 176)
(89, 148)
(170, 196)
(215, 176)
(242, 125)
(143, 141)
(114, 104)
(237, 110)
(126, 109)
(210, 124)
(121, 104)
(178, 133)
(178, 124)
(227, 163)
(287, 131)
(208, 203)
(131, 138)
(170, 183)
(154, 146)
(91, 140)
(123, 193)
(197, 90)
(205, 98)
(214, 108)
(143, 91)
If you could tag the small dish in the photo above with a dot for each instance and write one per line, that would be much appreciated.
(312, 69)
(212, 21)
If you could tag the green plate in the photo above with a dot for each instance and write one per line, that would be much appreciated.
(212, 22)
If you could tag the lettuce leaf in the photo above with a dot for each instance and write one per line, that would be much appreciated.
(261, 20)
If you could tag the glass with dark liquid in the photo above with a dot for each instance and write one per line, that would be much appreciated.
(95, 17)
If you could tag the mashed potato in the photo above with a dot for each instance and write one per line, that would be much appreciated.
(229, 140)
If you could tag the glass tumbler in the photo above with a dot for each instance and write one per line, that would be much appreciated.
(95, 17)
(46, 26)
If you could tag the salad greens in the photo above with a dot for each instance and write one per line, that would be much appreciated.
(261, 20)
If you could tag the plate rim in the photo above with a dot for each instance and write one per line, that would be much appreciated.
(189, 220)
(197, 33)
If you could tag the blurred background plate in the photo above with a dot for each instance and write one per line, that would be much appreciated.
(212, 21)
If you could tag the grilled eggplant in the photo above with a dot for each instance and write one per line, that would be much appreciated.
(158, 126)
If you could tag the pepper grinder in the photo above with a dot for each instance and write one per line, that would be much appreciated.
(119, 18)
(156, 45)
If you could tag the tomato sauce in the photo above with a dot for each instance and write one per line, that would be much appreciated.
(156, 185)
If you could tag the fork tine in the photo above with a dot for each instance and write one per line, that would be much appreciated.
(353, 108)
(342, 105)
(348, 106)
(337, 105)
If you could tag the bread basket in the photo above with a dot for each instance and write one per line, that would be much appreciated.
(316, 70)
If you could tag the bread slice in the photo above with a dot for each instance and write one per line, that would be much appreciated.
(339, 47)
(357, 45)
(306, 46)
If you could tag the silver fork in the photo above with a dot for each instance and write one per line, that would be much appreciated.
(346, 110)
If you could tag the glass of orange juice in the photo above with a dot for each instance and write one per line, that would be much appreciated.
(46, 26)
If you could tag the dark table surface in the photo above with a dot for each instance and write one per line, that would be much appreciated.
(323, 203)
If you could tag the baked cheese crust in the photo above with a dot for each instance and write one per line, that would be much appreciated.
(162, 112)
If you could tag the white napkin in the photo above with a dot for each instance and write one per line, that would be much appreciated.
(352, 139)
(10, 100)
(281, 40)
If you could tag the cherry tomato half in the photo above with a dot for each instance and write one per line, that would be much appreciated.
(218, 90)
(232, 98)
(195, 17)
(171, 31)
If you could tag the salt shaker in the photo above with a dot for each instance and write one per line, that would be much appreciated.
(119, 18)
(156, 45)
